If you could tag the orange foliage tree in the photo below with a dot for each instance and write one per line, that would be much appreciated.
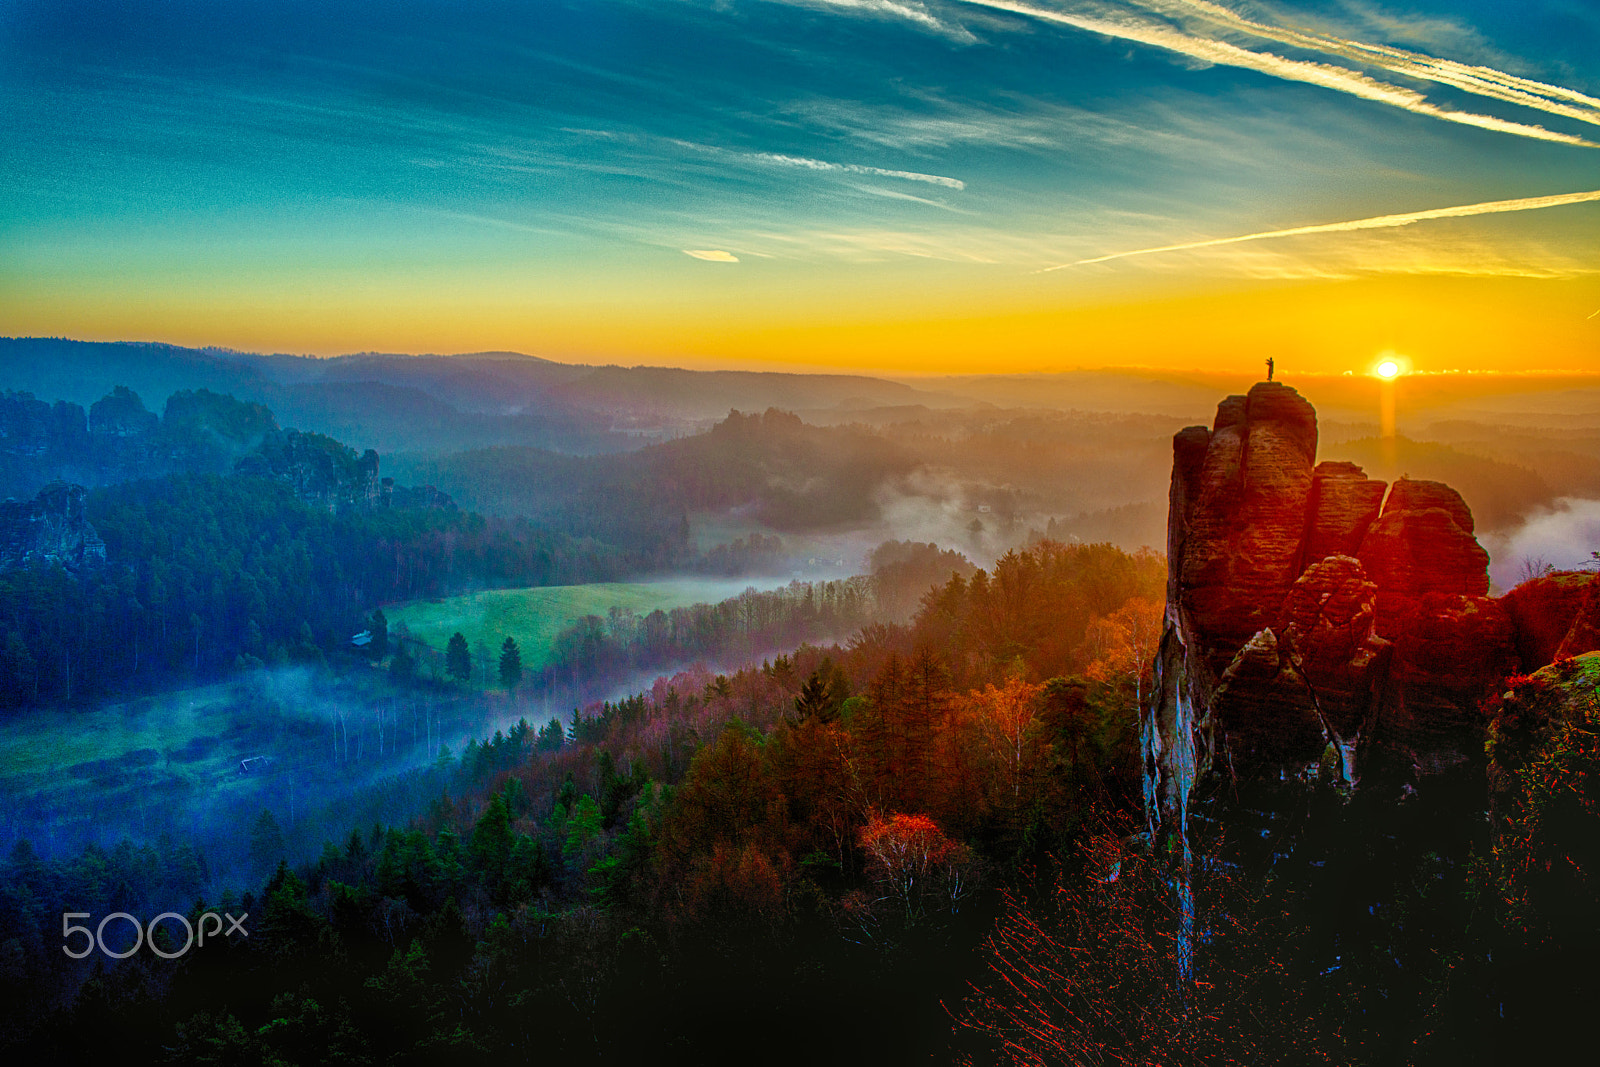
(1004, 716)
(915, 865)
(1124, 644)
(1034, 608)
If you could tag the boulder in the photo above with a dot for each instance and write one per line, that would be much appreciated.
(1450, 652)
(1412, 551)
(1306, 607)
(1584, 633)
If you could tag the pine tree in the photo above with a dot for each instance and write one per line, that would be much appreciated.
(510, 665)
(457, 660)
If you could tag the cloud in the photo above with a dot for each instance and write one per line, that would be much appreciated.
(711, 255)
(893, 194)
(900, 9)
(1379, 222)
(1326, 75)
(802, 162)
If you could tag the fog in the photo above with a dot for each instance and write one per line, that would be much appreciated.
(1561, 536)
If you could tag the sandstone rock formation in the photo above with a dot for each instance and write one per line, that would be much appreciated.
(324, 473)
(1309, 606)
(49, 529)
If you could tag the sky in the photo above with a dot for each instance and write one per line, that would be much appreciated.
(891, 186)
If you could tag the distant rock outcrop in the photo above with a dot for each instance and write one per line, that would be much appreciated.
(49, 529)
(1310, 607)
(201, 432)
(323, 472)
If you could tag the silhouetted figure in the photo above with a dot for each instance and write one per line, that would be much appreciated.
(1270, 365)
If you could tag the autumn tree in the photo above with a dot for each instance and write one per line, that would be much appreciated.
(1124, 644)
(1005, 720)
(813, 765)
(915, 866)
(721, 851)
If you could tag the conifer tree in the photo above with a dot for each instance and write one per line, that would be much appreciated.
(510, 665)
(457, 660)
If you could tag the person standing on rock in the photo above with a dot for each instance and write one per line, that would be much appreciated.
(1270, 365)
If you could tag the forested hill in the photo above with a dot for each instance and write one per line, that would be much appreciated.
(439, 404)
(789, 475)
(204, 572)
(227, 541)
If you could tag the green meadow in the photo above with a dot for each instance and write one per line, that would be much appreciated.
(157, 754)
(535, 616)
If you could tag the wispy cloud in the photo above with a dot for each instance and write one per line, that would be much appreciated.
(899, 9)
(804, 163)
(1327, 75)
(711, 255)
(1378, 222)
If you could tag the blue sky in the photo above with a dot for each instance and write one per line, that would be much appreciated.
(810, 182)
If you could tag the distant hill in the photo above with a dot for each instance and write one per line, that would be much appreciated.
(437, 404)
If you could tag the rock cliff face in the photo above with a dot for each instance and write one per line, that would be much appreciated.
(49, 529)
(1309, 606)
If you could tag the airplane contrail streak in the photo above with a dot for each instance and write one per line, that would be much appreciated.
(1378, 222)
(1327, 75)
(1480, 80)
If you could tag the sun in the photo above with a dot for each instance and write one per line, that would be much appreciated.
(1388, 369)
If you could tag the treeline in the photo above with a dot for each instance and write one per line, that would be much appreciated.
(120, 440)
(205, 572)
(594, 653)
(903, 571)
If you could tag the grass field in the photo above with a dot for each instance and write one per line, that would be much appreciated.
(103, 770)
(535, 616)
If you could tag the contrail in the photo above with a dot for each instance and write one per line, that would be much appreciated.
(1380, 222)
(1483, 81)
(1591, 314)
(1327, 75)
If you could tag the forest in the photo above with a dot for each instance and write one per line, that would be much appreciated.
(924, 842)
(826, 823)
(205, 572)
